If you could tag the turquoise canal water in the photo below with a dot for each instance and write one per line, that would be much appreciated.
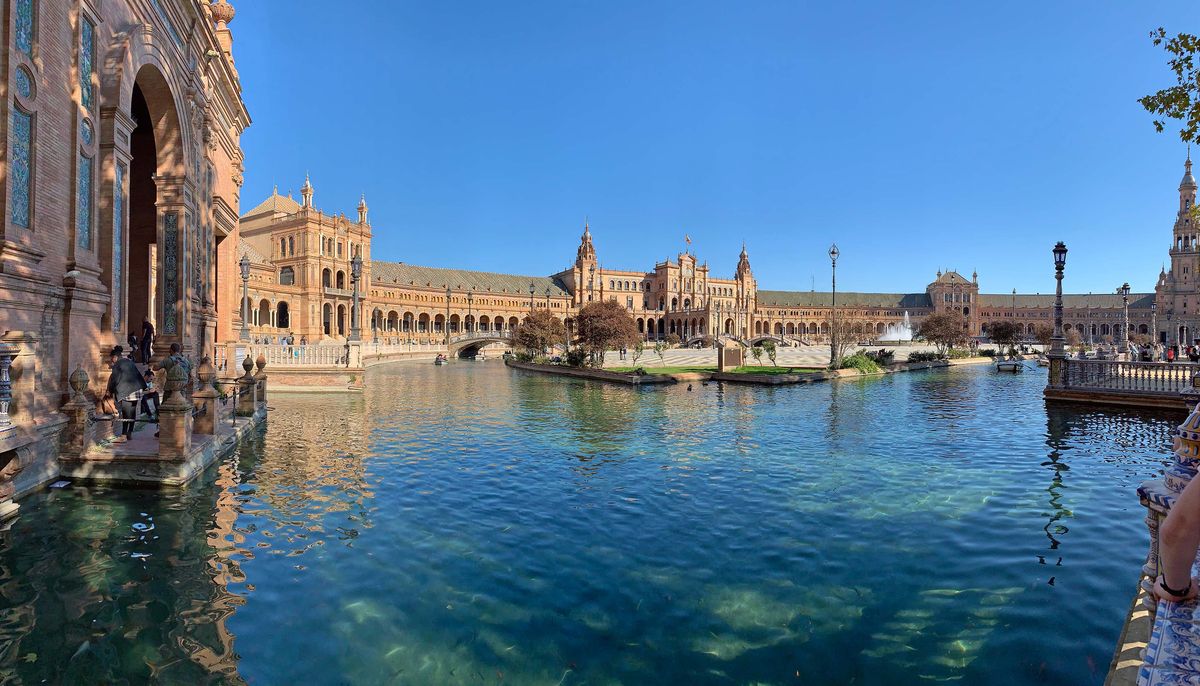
(473, 525)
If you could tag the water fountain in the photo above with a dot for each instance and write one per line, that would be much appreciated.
(898, 332)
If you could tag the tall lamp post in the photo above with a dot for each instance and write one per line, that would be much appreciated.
(531, 289)
(547, 297)
(1124, 291)
(833, 331)
(446, 324)
(355, 276)
(1057, 348)
(470, 301)
(1154, 323)
(244, 266)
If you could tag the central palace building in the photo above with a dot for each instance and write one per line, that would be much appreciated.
(301, 284)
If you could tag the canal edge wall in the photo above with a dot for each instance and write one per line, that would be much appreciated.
(758, 379)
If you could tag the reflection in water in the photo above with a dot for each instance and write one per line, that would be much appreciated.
(470, 524)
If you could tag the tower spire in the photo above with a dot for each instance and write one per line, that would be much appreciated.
(306, 191)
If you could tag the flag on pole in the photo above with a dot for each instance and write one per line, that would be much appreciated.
(687, 238)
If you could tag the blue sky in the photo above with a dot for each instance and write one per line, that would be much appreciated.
(917, 135)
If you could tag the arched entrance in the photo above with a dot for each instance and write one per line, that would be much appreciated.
(157, 234)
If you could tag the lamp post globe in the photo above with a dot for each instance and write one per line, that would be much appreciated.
(1124, 291)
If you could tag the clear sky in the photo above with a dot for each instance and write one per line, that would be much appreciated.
(917, 135)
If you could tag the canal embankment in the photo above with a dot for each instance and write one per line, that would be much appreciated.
(742, 375)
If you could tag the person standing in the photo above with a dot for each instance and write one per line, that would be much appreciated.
(125, 384)
(147, 339)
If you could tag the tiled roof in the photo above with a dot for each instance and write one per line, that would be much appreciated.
(952, 277)
(1070, 301)
(275, 203)
(383, 273)
(247, 250)
(825, 299)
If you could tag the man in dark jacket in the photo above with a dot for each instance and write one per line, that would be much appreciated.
(124, 385)
(147, 339)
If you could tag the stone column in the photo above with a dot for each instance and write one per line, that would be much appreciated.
(246, 402)
(206, 397)
(80, 434)
(175, 418)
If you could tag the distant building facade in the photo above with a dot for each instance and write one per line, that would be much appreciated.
(301, 285)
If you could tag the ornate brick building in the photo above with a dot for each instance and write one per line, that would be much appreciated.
(119, 192)
(301, 284)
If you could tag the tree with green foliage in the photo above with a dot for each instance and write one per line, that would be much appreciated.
(757, 352)
(638, 349)
(770, 349)
(1043, 333)
(604, 325)
(672, 339)
(1004, 335)
(944, 330)
(540, 330)
(1181, 101)
(660, 347)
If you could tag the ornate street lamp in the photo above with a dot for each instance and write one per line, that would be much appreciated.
(446, 324)
(531, 290)
(244, 266)
(591, 281)
(1154, 322)
(547, 297)
(1171, 331)
(1057, 348)
(833, 258)
(470, 300)
(1124, 291)
(355, 275)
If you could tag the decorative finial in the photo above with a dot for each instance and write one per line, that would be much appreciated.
(222, 12)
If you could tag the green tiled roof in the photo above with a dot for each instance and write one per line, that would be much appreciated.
(848, 299)
(383, 273)
(1070, 301)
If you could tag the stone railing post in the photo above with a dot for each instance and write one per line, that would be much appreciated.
(175, 417)
(80, 434)
(246, 402)
(1158, 495)
(261, 378)
(206, 396)
(356, 356)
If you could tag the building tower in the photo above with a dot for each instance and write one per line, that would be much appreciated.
(586, 268)
(746, 293)
(1172, 293)
(362, 209)
(306, 193)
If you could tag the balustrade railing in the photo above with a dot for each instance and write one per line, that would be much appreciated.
(1129, 377)
(320, 354)
(7, 354)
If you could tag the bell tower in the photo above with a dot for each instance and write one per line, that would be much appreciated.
(585, 269)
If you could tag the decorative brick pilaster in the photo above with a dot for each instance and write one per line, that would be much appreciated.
(205, 396)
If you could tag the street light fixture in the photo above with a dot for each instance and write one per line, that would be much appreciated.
(591, 281)
(531, 290)
(833, 258)
(244, 266)
(1057, 349)
(446, 324)
(470, 300)
(547, 297)
(355, 276)
(1124, 291)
